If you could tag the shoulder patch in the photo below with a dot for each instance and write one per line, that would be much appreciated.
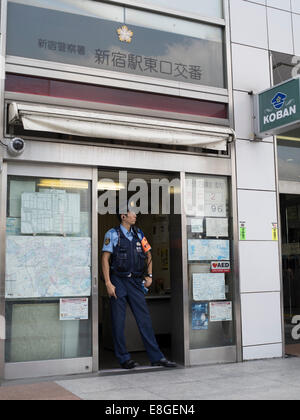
(107, 241)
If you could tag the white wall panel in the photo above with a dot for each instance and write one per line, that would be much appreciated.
(255, 165)
(266, 351)
(248, 23)
(258, 210)
(259, 266)
(295, 6)
(261, 318)
(280, 4)
(250, 68)
(280, 40)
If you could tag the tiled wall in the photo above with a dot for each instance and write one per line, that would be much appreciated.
(257, 27)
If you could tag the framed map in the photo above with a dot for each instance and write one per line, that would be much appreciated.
(44, 266)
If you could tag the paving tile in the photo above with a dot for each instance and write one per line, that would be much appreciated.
(37, 391)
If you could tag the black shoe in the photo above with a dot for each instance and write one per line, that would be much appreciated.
(164, 362)
(129, 364)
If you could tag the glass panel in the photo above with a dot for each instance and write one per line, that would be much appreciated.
(289, 160)
(290, 223)
(152, 45)
(48, 269)
(170, 24)
(209, 259)
(123, 97)
(283, 67)
(79, 7)
(211, 8)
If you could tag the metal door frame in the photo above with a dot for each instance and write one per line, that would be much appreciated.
(60, 366)
(79, 161)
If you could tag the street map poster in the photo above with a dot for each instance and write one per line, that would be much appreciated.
(43, 266)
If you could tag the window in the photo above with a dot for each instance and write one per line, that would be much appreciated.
(48, 269)
(211, 8)
(209, 259)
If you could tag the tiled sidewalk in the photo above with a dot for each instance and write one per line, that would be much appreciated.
(273, 379)
(37, 391)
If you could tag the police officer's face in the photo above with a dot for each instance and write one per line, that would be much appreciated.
(130, 218)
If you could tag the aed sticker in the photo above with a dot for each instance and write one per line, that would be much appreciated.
(145, 244)
(274, 232)
(242, 231)
(220, 267)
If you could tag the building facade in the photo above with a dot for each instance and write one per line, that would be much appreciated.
(149, 103)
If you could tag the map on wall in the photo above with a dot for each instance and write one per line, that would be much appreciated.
(47, 267)
(50, 211)
(208, 249)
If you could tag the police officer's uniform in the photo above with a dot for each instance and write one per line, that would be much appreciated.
(126, 274)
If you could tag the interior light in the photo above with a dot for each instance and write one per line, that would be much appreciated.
(110, 186)
(63, 183)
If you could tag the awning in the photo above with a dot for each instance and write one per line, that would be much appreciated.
(118, 126)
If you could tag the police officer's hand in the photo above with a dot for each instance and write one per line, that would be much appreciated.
(111, 290)
(148, 281)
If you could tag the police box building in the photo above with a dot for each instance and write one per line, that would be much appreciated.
(168, 106)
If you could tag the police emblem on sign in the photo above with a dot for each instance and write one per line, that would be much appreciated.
(279, 100)
(125, 34)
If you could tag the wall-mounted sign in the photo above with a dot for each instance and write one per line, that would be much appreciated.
(75, 39)
(274, 231)
(220, 267)
(242, 231)
(277, 109)
(73, 309)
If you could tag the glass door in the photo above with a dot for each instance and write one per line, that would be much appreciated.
(290, 231)
(48, 279)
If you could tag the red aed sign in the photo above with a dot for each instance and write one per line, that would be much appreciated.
(220, 267)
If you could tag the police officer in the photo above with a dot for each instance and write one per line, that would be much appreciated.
(125, 251)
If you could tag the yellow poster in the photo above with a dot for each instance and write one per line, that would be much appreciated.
(274, 232)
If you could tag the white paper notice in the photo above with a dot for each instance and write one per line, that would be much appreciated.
(208, 286)
(216, 227)
(54, 212)
(74, 309)
(215, 197)
(220, 311)
(208, 249)
(197, 225)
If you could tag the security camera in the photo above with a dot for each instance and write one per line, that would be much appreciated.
(16, 146)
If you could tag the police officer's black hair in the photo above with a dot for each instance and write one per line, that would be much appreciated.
(119, 216)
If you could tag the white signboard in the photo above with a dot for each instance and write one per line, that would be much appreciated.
(197, 225)
(208, 286)
(220, 311)
(73, 309)
(216, 227)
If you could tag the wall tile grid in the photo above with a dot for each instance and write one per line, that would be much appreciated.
(255, 30)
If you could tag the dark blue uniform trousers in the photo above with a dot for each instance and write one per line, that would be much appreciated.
(128, 290)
